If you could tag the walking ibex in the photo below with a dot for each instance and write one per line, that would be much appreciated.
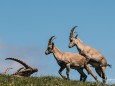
(94, 57)
(69, 60)
(27, 70)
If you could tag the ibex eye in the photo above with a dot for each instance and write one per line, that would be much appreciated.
(70, 40)
(48, 48)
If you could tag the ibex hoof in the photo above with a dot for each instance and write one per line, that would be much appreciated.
(64, 77)
(97, 81)
(68, 79)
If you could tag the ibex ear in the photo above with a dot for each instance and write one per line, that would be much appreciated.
(76, 36)
(52, 47)
(52, 44)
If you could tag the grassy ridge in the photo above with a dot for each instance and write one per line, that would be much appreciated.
(42, 81)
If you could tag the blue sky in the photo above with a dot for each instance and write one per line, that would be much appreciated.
(26, 26)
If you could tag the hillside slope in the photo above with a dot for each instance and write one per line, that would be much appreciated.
(42, 81)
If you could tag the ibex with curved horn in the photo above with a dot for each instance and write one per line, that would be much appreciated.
(69, 60)
(93, 56)
(27, 70)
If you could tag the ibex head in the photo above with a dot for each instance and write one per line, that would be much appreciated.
(72, 38)
(50, 46)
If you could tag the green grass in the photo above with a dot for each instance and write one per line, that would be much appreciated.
(42, 81)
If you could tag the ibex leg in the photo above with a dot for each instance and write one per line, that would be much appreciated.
(99, 72)
(67, 71)
(91, 72)
(104, 75)
(60, 72)
(83, 76)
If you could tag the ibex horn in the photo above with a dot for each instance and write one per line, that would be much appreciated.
(51, 39)
(72, 31)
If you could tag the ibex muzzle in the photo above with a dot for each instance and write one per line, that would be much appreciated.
(71, 44)
(35, 70)
(46, 52)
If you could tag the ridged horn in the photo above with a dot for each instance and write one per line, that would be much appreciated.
(72, 31)
(19, 61)
(51, 39)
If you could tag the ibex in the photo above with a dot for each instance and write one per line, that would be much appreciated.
(69, 60)
(27, 70)
(93, 56)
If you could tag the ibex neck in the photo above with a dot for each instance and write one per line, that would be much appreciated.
(80, 45)
(57, 54)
